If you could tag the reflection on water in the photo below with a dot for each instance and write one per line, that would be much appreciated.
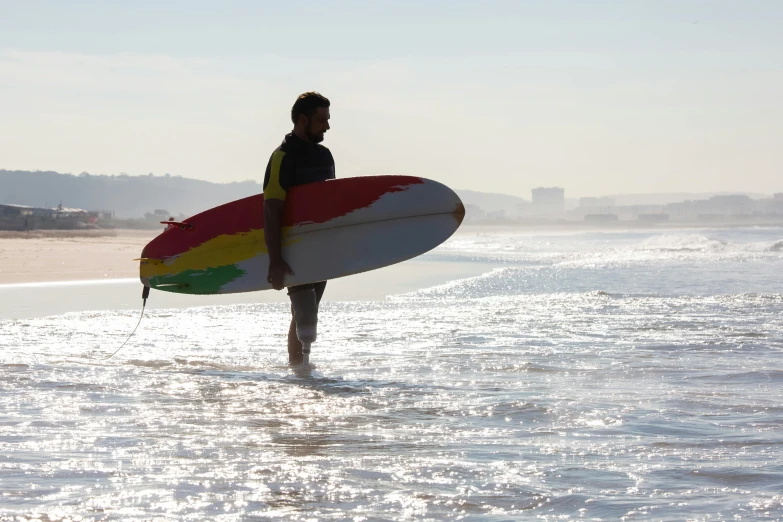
(603, 390)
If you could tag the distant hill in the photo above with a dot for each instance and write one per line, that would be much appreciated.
(127, 196)
(133, 196)
(490, 202)
(673, 197)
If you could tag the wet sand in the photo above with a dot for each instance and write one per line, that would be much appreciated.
(42, 276)
(66, 255)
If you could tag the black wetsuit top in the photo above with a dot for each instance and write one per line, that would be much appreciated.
(296, 162)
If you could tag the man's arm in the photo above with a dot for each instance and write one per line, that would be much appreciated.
(273, 217)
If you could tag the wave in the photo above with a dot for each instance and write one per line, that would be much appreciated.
(602, 280)
(683, 243)
(476, 286)
(589, 251)
(700, 243)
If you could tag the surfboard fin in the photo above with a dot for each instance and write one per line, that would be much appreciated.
(179, 224)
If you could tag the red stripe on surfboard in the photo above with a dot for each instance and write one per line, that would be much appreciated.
(336, 199)
(313, 203)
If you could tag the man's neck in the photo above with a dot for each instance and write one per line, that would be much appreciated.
(299, 133)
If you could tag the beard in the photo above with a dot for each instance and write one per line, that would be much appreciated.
(315, 137)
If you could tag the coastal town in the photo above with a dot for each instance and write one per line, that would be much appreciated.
(548, 206)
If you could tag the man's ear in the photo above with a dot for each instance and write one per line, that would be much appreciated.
(302, 121)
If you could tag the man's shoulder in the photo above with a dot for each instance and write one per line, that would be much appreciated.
(288, 145)
(294, 146)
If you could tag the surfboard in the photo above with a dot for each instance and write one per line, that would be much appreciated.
(330, 229)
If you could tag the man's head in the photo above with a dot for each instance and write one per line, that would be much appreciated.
(310, 115)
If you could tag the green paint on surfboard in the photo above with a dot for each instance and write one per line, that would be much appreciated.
(208, 281)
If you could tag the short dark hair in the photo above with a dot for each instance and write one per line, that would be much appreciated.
(307, 104)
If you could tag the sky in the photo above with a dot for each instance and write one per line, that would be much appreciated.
(595, 96)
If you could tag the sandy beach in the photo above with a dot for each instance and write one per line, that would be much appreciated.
(72, 256)
(68, 255)
(55, 272)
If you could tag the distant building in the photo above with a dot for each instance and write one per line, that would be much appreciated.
(16, 210)
(653, 218)
(524, 209)
(24, 210)
(715, 208)
(770, 207)
(711, 217)
(733, 204)
(23, 217)
(601, 218)
(602, 205)
(602, 202)
(62, 211)
(549, 201)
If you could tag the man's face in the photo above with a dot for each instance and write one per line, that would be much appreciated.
(318, 125)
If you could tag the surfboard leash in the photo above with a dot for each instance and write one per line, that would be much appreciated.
(144, 295)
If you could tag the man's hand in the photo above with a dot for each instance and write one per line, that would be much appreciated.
(278, 268)
(277, 272)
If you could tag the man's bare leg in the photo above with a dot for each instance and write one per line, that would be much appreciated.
(294, 345)
(304, 311)
(304, 303)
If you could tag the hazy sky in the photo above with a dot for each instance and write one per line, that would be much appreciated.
(596, 96)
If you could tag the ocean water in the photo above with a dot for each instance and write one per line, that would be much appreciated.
(597, 376)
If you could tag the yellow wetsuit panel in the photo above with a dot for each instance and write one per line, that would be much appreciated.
(273, 189)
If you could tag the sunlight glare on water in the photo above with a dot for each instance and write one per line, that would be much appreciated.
(592, 376)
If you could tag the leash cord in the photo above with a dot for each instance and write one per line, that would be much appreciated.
(144, 294)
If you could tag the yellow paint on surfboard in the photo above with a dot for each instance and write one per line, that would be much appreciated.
(227, 249)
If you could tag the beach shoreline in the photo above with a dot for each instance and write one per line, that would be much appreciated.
(42, 276)
(70, 255)
(89, 255)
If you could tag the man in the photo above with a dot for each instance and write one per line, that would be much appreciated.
(298, 160)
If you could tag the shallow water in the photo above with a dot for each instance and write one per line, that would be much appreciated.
(596, 376)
